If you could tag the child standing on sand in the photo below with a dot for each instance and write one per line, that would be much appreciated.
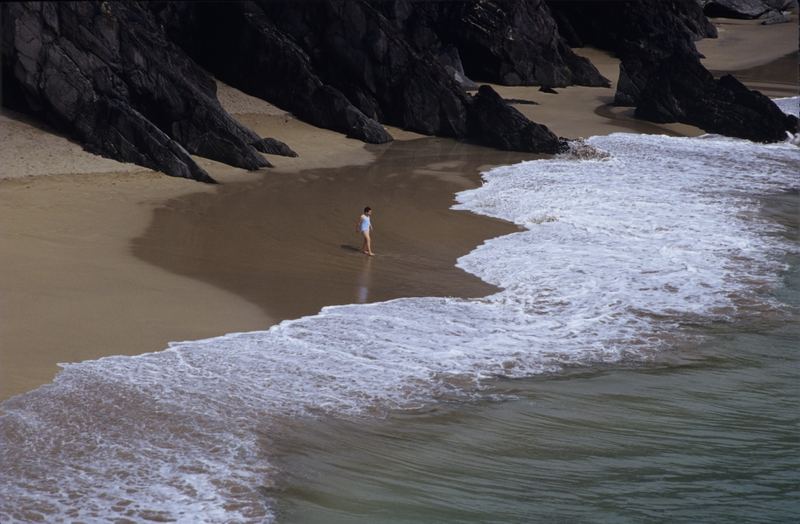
(364, 227)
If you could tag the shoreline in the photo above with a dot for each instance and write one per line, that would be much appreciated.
(288, 243)
(100, 264)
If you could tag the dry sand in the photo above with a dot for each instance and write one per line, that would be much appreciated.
(763, 57)
(579, 111)
(115, 259)
(29, 149)
(743, 44)
(70, 287)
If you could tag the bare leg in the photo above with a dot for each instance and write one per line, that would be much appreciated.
(366, 247)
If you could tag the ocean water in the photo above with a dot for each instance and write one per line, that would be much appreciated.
(648, 274)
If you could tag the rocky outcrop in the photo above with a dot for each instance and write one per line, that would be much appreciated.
(118, 77)
(660, 71)
(274, 147)
(677, 89)
(355, 49)
(450, 59)
(128, 79)
(503, 127)
(735, 8)
(104, 74)
(627, 25)
(341, 64)
(242, 46)
(512, 42)
(748, 9)
(782, 5)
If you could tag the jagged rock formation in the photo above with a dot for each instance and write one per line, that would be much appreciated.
(274, 147)
(506, 128)
(241, 45)
(511, 42)
(626, 26)
(672, 89)
(348, 65)
(105, 75)
(661, 74)
(768, 9)
(118, 77)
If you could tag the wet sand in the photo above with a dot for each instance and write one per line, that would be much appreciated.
(288, 242)
(123, 260)
(71, 288)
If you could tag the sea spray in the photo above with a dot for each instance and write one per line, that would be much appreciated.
(616, 255)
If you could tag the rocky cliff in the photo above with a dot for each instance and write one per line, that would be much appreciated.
(106, 75)
(768, 10)
(351, 65)
(661, 73)
(131, 80)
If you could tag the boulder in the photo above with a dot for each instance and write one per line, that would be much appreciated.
(775, 17)
(521, 101)
(678, 88)
(661, 73)
(620, 25)
(104, 74)
(272, 146)
(511, 42)
(503, 127)
(736, 8)
(451, 61)
(782, 5)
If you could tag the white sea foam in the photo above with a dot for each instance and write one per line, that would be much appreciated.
(616, 255)
(789, 105)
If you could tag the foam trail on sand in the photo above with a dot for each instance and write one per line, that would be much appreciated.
(615, 256)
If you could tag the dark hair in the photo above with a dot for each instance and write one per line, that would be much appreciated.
(367, 209)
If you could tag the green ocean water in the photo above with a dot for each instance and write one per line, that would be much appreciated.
(707, 432)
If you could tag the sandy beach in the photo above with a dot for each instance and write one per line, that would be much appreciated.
(105, 258)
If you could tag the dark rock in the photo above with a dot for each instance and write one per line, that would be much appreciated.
(520, 101)
(273, 147)
(104, 74)
(781, 5)
(356, 50)
(503, 127)
(116, 76)
(776, 18)
(624, 25)
(516, 42)
(451, 60)
(548, 89)
(661, 73)
(736, 8)
(513, 42)
(678, 88)
(629, 85)
(241, 45)
(342, 65)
